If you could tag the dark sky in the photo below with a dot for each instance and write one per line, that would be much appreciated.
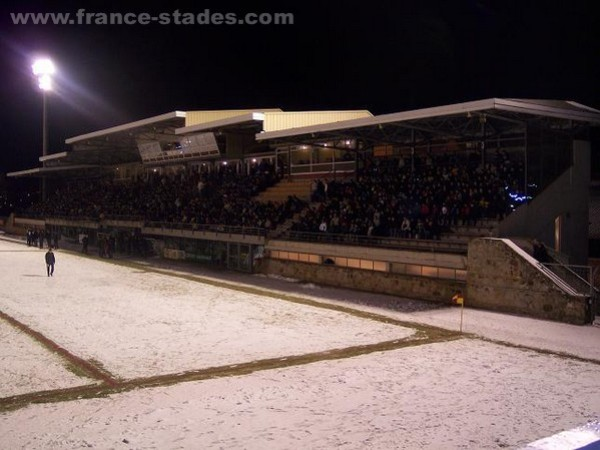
(384, 56)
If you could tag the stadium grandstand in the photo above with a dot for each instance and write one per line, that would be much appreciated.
(421, 204)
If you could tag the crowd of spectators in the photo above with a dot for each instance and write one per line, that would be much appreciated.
(394, 197)
(397, 197)
(223, 197)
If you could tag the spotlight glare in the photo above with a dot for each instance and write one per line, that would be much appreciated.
(45, 82)
(43, 67)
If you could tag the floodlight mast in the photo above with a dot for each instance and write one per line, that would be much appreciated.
(43, 69)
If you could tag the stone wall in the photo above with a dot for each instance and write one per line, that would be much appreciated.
(422, 288)
(503, 277)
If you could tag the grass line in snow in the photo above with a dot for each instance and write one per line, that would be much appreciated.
(231, 370)
(75, 364)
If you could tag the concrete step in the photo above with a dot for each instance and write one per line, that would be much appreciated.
(282, 190)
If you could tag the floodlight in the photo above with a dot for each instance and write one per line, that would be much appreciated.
(45, 82)
(43, 66)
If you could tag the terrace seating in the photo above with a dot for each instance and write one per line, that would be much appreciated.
(443, 199)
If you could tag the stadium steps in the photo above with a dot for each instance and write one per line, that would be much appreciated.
(280, 192)
(285, 226)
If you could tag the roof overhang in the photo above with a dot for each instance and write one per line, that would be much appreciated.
(248, 121)
(39, 172)
(119, 144)
(449, 121)
(150, 124)
(94, 152)
(53, 157)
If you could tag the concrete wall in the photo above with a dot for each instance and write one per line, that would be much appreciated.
(423, 288)
(503, 277)
(567, 197)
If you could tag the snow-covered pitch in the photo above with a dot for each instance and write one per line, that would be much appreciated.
(197, 360)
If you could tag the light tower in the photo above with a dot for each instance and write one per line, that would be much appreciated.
(43, 69)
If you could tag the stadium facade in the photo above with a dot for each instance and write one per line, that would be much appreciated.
(545, 146)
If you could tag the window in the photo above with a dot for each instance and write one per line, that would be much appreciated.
(369, 264)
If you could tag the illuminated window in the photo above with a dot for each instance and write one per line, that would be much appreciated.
(342, 262)
(380, 266)
(366, 264)
(354, 263)
(429, 271)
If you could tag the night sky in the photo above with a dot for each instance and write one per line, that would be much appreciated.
(385, 56)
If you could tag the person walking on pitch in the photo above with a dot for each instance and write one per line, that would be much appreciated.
(50, 260)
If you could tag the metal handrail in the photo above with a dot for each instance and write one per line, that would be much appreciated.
(371, 241)
(572, 278)
(315, 237)
(561, 258)
(212, 228)
(124, 218)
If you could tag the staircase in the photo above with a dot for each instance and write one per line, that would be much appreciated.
(285, 226)
(579, 278)
(300, 188)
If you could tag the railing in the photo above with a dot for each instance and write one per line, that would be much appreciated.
(250, 231)
(329, 238)
(578, 277)
(560, 258)
(371, 241)
(246, 231)
(123, 218)
(320, 168)
(81, 218)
